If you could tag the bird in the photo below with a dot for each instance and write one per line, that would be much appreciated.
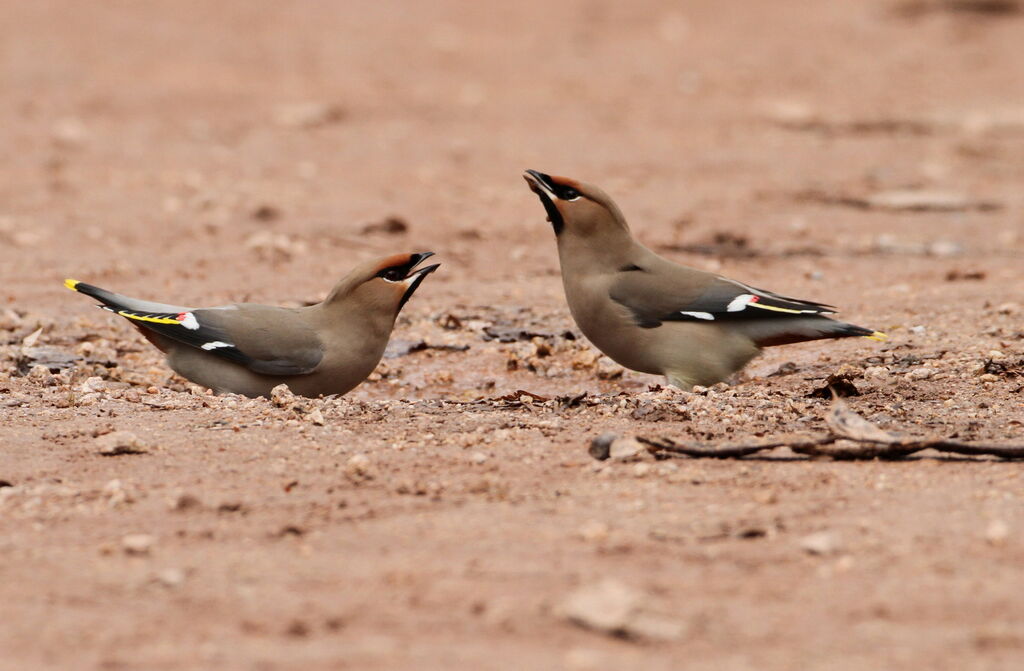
(652, 315)
(323, 349)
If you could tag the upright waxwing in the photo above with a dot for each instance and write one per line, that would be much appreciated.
(655, 316)
(323, 349)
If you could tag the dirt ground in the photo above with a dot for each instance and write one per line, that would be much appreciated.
(446, 514)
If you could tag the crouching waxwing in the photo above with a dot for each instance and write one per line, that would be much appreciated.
(323, 349)
(655, 316)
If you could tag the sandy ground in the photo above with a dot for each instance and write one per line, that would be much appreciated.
(867, 154)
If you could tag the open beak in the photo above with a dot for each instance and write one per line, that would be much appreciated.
(415, 275)
(543, 186)
(540, 183)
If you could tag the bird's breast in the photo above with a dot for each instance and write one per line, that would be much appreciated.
(609, 326)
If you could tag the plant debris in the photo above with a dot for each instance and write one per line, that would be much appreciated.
(915, 8)
(1004, 368)
(902, 200)
(963, 275)
(835, 385)
(388, 226)
(398, 348)
(505, 333)
(851, 437)
(521, 397)
(723, 244)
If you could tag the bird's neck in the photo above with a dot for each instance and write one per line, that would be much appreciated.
(586, 255)
(346, 315)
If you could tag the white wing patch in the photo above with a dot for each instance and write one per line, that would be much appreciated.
(216, 344)
(698, 315)
(189, 321)
(740, 302)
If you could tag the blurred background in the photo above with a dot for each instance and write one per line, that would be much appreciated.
(184, 146)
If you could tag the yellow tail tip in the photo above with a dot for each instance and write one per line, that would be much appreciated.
(877, 335)
(71, 284)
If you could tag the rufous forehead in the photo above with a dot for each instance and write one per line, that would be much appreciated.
(565, 181)
(394, 260)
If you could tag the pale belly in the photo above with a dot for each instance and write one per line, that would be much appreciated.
(686, 353)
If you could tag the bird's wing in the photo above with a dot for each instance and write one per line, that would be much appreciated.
(654, 298)
(266, 340)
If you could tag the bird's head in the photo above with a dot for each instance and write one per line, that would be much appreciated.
(575, 208)
(382, 285)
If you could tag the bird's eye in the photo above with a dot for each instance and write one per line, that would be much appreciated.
(569, 193)
(392, 274)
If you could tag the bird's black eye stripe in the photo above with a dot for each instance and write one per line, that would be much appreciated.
(394, 274)
(566, 192)
(631, 267)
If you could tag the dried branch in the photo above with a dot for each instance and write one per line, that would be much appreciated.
(969, 449)
(851, 437)
(669, 446)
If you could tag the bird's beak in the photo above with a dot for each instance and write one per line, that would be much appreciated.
(540, 183)
(543, 186)
(414, 276)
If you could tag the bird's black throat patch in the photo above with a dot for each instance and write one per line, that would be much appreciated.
(554, 216)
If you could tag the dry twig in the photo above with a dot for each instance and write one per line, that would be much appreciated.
(851, 437)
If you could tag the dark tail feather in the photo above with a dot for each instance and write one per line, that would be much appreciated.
(107, 298)
(118, 302)
(786, 331)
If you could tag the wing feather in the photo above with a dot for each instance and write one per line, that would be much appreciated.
(652, 300)
(237, 333)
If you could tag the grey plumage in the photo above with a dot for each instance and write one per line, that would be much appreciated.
(323, 349)
(655, 316)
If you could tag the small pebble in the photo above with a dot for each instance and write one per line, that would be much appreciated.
(612, 446)
(615, 609)
(138, 544)
(359, 466)
(119, 442)
(997, 532)
(820, 543)
(876, 372)
(594, 531)
(316, 417)
(627, 449)
(186, 502)
(171, 577)
(307, 114)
